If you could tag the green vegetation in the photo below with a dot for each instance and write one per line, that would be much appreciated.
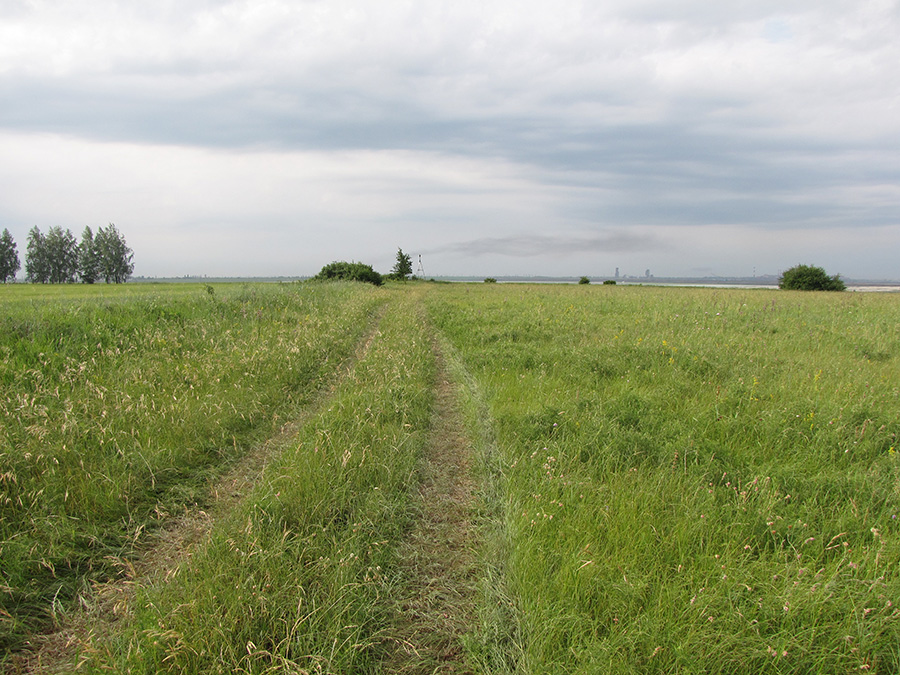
(490, 280)
(295, 579)
(810, 278)
(119, 403)
(9, 257)
(349, 271)
(403, 267)
(584, 280)
(669, 479)
(692, 480)
(57, 258)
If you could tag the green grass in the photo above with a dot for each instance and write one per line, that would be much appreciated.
(694, 480)
(671, 480)
(299, 578)
(118, 404)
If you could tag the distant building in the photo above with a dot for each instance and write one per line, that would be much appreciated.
(617, 273)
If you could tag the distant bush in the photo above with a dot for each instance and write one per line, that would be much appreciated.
(810, 278)
(490, 280)
(584, 280)
(352, 271)
(609, 282)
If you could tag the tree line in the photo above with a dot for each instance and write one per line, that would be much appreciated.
(58, 258)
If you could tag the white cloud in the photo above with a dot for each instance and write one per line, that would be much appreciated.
(358, 204)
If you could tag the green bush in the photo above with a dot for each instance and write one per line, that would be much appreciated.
(609, 282)
(584, 280)
(490, 280)
(352, 271)
(810, 278)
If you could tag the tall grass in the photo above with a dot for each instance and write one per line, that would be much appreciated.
(117, 405)
(674, 480)
(695, 480)
(298, 579)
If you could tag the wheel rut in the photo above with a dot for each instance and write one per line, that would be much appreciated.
(160, 555)
(435, 607)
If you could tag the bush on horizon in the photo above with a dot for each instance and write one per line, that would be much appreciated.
(352, 271)
(810, 278)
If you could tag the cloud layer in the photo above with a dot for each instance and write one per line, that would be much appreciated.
(494, 137)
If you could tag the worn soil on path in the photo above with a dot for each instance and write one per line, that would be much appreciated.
(436, 604)
(160, 553)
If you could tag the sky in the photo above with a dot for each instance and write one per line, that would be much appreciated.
(489, 137)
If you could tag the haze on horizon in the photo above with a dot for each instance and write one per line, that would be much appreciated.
(267, 138)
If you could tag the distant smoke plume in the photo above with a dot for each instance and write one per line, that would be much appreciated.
(533, 245)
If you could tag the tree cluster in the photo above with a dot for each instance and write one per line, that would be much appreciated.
(356, 271)
(58, 258)
(810, 278)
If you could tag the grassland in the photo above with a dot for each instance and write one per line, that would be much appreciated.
(692, 480)
(667, 480)
(119, 405)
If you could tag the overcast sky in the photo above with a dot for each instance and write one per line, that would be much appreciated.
(269, 137)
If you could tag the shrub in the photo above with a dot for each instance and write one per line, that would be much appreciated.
(810, 278)
(352, 271)
(490, 280)
(609, 282)
(584, 280)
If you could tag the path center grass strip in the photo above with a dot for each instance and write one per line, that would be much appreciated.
(118, 405)
(695, 480)
(293, 580)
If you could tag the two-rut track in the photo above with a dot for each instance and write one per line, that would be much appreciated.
(434, 603)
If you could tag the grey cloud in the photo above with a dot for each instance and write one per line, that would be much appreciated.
(635, 112)
(537, 245)
(670, 171)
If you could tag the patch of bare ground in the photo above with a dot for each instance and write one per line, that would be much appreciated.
(159, 554)
(435, 605)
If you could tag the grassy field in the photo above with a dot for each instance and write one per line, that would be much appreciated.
(670, 480)
(692, 480)
(295, 578)
(119, 404)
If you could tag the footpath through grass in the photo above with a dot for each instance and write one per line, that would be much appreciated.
(119, 404)
(666, 480)
(298, 578)
(692, 480)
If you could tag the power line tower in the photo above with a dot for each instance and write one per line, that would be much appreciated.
(420, 271)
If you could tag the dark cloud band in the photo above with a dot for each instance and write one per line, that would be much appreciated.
(539, 245)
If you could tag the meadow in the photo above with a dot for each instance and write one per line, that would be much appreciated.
(669, 480)
(120, 404)
(692, 480)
